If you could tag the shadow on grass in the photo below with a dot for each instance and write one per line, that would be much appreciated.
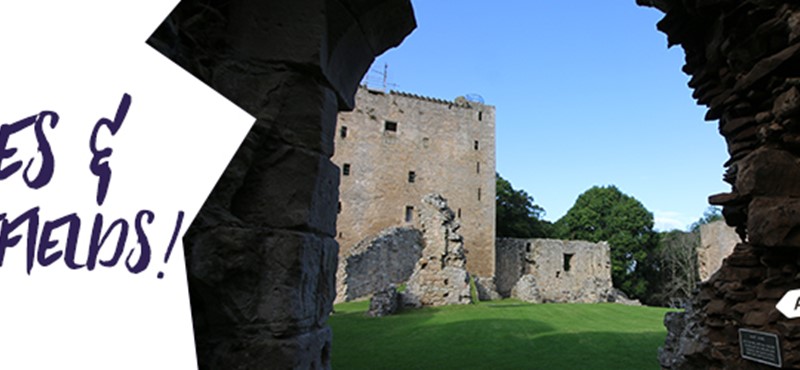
(421, 342)
(505, 305)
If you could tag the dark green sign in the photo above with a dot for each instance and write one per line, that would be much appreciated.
(760, 347)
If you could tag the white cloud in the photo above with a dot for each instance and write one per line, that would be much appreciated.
(669, 220)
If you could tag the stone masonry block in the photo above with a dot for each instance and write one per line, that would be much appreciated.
(327, 34)
(259, 30)
(769, 172)
(348, 52)
(280, 280)
(289, 188)
(293, 108)
(310, 350)
(774, 222)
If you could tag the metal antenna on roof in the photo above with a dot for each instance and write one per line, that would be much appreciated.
(375, 77)
(385, 75)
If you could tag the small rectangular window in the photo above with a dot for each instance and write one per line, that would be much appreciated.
(343, 132)
(480, 116)
(346, 169)
(567, 261)
(409, 213)
(339, 210)
(390, 126)
(459, 213)
(478, 167)
(412, 176)
(479, 194)
(476, 144)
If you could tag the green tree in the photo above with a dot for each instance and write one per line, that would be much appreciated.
(607, 214)
(711, 214)
(516, 214)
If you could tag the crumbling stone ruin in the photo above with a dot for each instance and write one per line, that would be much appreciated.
(744, 59)
(384, 302)
(716, 242)
(395, 148)
(378, 262)
(548, 270)
(261, 255)
(440, 277)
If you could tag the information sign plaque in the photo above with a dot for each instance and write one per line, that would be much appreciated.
(760, 347)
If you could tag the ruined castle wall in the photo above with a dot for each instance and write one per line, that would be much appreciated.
(511, 264)
(558, 270)
(377, 262)
(716, 242)
(449, 147)
(744, 59)
(440, 277)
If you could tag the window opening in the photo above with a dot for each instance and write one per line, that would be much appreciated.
(480, 116)
(459, 213)
(567, 261)
(343, 132)
(479, 194)
(478, 167)
(409, 213)
(412, 176)
(477, 145)
(346, 169)
(390, 126)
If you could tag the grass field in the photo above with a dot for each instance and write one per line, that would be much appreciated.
(499, 335)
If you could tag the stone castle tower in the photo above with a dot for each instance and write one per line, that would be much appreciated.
(395, 148)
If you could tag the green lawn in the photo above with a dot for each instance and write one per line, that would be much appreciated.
(504, 334)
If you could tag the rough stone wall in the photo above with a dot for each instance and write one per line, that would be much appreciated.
(378, 262)
(548, 270)
(744, 59)
(440, 277)
(716, 242)
(511, 264)
(261, 254)
(743, 294)
(435, 139)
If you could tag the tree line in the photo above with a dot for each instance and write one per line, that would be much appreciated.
(658, 268)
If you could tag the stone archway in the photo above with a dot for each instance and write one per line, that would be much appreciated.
(261, 257)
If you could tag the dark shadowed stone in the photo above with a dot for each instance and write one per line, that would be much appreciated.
(377, 262)
(260, 258)
(277, 194)
(768, 172)
(717, 307)
(279, 280)
(774, 221)
(249, 350)
(384, 302)
(293, 107)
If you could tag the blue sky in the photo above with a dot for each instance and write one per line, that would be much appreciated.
(586, 93)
